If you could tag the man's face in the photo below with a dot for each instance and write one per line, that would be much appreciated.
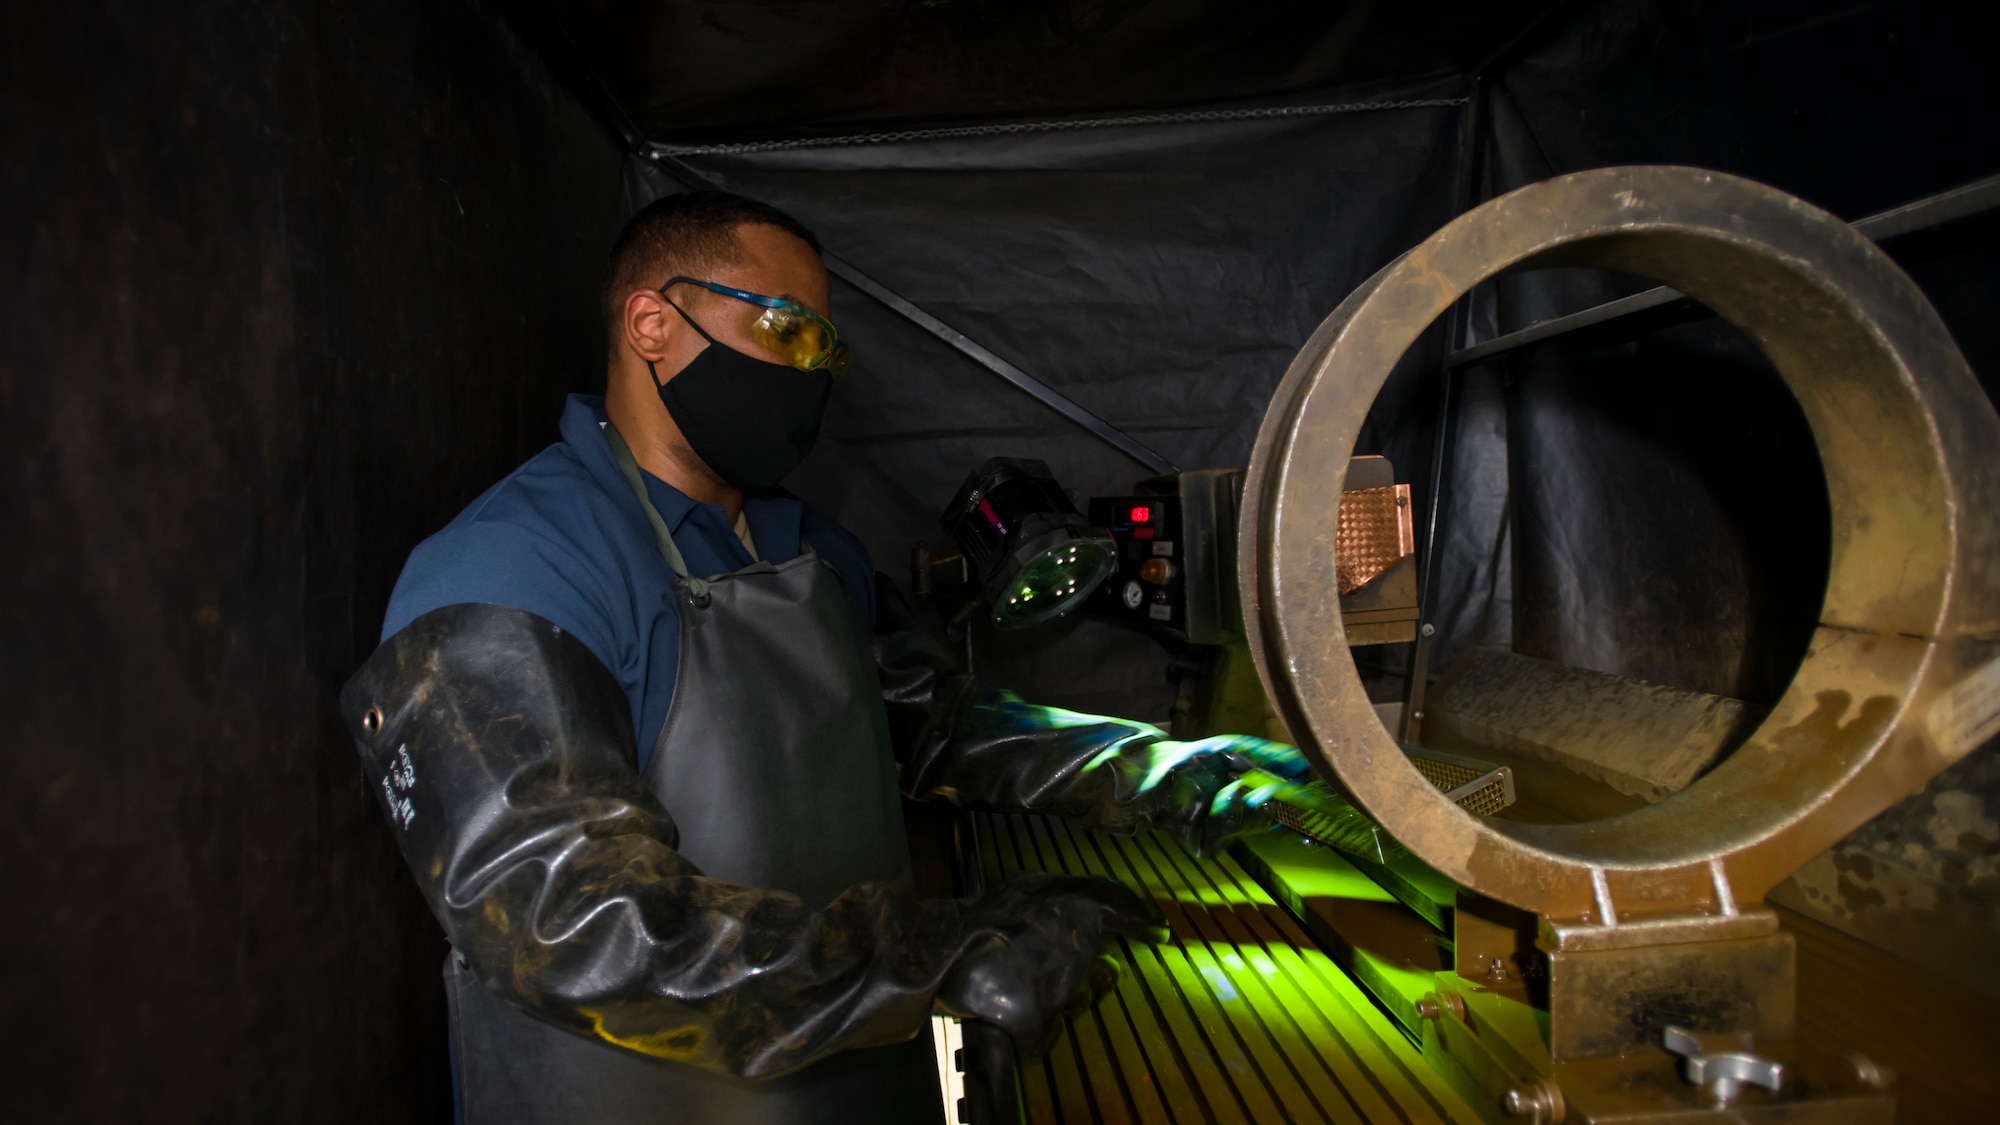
(767, 261)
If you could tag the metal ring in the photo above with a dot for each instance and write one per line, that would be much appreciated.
(371, 720)
(1903, 673)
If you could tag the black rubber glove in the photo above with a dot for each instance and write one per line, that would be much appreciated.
(501, 750)
(1043, 956)
(986, 749)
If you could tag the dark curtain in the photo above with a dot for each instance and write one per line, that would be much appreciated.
(1162, 273)
(1669, 520)
(287, 284)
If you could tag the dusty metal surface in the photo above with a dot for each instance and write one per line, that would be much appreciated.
(1641, 739)
(1903, 675)
(1385, 610)
(1615, 1002)
(1914, 1018)
(1923, 879)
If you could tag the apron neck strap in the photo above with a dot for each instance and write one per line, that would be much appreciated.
(668, 551)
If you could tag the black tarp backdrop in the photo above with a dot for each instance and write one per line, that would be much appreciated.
(1159, 273)
(286, 285)
(739, 70)
(1670, 520)
(292, 284)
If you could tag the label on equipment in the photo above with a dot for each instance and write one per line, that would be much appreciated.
(1969, 713)
(1161, 613)
(1163, 546)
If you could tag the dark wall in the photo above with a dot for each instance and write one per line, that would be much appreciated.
(286, 285)
(734, 70)
(1664, 514)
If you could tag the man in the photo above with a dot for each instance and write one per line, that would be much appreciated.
(636, 743)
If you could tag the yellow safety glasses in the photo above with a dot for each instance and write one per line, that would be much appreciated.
(789, 330)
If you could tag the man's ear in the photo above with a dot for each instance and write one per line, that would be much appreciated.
(649, 325)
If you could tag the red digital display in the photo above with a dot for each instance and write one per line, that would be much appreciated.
(1141, 514)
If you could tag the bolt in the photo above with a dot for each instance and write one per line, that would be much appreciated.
(1518, 1103)
(1429, 630)
(1417, 715)
(1868, 1072)
(1497, 970)
(1427, 1009)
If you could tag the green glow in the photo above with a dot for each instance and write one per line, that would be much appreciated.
(1239, 976)
(1055, 581)
(1313, 872)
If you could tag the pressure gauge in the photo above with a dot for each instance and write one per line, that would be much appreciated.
(1134, 594)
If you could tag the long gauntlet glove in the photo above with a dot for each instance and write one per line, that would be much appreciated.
(502, 752)
(982, 748)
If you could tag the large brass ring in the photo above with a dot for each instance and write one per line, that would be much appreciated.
(1903, 674)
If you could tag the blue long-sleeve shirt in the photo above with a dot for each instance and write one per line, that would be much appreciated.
(564, 538)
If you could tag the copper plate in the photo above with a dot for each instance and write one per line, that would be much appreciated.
(1374, 534)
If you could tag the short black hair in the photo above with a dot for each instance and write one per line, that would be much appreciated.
(690, 233)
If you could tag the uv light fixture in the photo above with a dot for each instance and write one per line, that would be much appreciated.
(1032, 553)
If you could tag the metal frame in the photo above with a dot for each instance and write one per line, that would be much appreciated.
(1928, 213)
(1471, 146)
(1638, 313)
(1656, 914)
(1905, 435)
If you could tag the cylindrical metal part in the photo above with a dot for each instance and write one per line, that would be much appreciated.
(1903, 675)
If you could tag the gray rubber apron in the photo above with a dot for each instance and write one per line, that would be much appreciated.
(775, 763)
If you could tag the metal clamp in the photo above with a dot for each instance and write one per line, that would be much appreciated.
(1723, 1073)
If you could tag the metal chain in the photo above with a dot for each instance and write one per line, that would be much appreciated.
(1192, 117)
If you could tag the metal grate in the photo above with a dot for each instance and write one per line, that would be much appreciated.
(1487, 799)
(1331, 820)
(1322, 814)
(1238, 1017)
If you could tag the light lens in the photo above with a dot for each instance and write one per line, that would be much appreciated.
(1053, 583)
(802, 338)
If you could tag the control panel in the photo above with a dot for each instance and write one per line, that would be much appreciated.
(1148, 585)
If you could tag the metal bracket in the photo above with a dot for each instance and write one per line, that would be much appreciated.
(1485, 1063)
(1723, 1074)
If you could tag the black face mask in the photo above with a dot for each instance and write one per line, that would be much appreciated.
(750, 421)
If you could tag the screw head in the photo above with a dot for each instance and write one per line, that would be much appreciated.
(1429, 630)
(1518, 1103)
